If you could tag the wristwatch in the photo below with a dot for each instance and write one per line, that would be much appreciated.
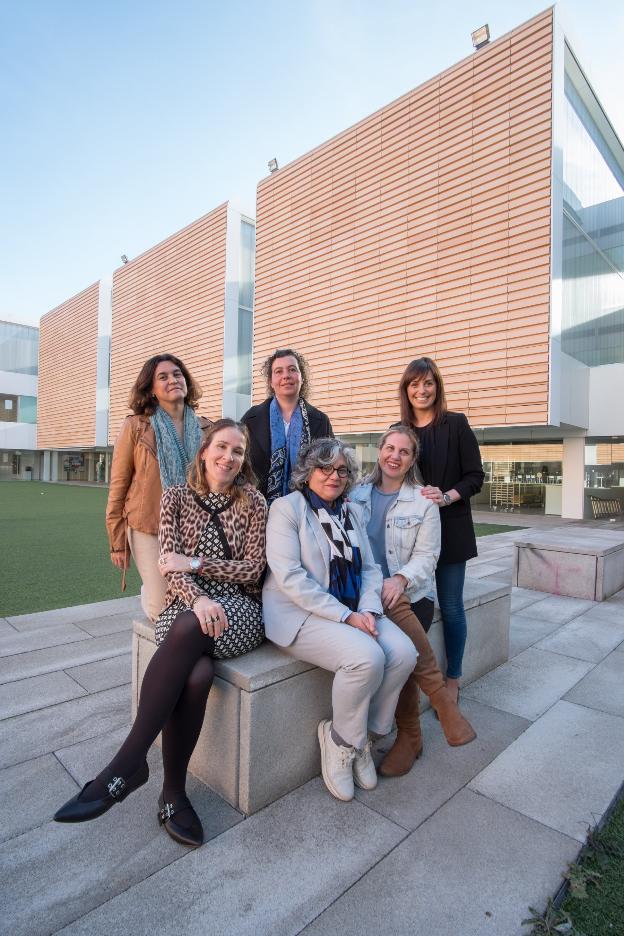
(195, 563)
(446, 498)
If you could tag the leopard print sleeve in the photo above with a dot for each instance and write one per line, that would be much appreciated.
(245, 529)
(170, 540)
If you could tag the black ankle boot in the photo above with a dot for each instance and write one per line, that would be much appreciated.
(191, 835)
(76, 810)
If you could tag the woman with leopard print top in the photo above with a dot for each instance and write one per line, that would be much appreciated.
(212, 546)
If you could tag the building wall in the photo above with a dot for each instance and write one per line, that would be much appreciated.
(424, 229)
(67, 373)
(171, 299)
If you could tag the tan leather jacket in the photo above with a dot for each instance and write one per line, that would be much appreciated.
(135, 489)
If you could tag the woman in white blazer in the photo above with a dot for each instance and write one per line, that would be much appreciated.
(403, 529)
(322, 604)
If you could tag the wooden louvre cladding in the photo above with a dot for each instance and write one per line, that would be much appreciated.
(171, 300)
(68, 373)
(424, 229)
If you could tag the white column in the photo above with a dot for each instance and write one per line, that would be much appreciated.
(46, 472)
(573, 488)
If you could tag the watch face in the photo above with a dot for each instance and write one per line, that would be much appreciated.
(195, 564)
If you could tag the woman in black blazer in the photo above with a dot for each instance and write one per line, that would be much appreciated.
(285, 422)
(450, 463)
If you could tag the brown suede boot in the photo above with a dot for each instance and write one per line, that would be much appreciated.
(408, 745)
(457, 729)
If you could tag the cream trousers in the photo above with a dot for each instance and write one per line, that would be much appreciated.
(144, 549)
(369, 673)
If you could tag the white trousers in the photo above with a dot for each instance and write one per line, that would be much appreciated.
(144, 549)
(369, 673)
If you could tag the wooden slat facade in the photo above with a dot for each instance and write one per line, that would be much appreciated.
(68, 372)
(423, 229)
(171, 299)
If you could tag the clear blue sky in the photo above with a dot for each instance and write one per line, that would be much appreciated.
(121, 122)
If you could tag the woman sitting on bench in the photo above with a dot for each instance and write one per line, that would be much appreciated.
(212, 548)
(322, 604)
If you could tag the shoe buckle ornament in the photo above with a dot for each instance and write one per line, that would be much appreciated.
(116, 787)
(167, 811)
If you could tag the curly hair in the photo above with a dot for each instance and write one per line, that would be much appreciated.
(196, 474)
(142, 400)
(413, 476)
(416, 370)
(320, 452)
(267, 369)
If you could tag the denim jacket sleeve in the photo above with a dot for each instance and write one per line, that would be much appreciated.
(419, 568)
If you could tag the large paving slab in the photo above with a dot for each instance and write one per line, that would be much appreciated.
(443, 770)
(272, 873)
(31, 793)
(557, 608)
(77, 613)
(563, 771)
(603, 687)
(56, 873)
(103, 674)
(39, 692)
(50, 659)
(524, 631)
(39, 638)
(42, 732)
(472, 869)
(100, 626)
(482, 569)
(5, 628)
(529, 683)
(523, 597)
(586, 639)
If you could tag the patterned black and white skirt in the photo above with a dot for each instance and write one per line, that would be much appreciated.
(244, 615)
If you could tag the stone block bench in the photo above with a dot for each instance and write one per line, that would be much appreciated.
(577, 561)
(259, 740)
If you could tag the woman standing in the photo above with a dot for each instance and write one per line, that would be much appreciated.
(152, 452)
(403, 529)
(322, 604)
(212, 536)
(450, 463)
(284, 423)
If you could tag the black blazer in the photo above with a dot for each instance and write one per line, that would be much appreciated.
(456, 464)
(258, 422)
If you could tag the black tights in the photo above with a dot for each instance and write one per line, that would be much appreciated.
(173, 699)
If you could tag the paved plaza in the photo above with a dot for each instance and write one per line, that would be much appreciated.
(462, 845)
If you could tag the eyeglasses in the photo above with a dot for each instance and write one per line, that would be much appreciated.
(328, 471)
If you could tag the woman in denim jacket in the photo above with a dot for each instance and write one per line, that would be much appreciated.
(404, 532)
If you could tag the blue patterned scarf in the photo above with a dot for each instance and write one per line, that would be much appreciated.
(285, 447)
(345, 564)
(174, 456)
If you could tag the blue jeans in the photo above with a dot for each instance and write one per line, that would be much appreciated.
(450, 585)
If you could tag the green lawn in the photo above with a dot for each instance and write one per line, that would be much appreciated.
(55, 551)
(54, 548)
(487, 529)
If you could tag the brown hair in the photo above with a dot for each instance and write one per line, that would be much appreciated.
(413, 476)
(196, 475)
(142, 400)
(416, 370)
(267, 369)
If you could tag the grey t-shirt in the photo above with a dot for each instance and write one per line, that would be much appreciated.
(376, 529)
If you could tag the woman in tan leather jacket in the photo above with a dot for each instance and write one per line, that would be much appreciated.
(152, 452)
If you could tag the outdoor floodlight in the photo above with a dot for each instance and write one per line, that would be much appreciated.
(480, 36)
(273, 167)
(124, 259)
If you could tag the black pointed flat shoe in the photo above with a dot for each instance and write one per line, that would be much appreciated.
(192, 835)
(77, 810)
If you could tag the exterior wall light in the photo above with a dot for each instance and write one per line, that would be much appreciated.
(273, 167)
(481, 36)
(124, 259)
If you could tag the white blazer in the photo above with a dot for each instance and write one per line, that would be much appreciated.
(412, 535)
(297, 582)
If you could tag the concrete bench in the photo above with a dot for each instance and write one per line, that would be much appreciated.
(259, 741)
(577, 561)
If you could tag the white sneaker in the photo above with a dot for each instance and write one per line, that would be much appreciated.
(364, 773)
(336, 764)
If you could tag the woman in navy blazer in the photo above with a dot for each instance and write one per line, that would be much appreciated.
(450, 463)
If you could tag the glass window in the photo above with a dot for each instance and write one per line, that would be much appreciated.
(19, 348)
(27, 409)
(247, 265)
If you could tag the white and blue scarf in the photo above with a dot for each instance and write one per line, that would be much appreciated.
(285, 447)
(174, 456)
